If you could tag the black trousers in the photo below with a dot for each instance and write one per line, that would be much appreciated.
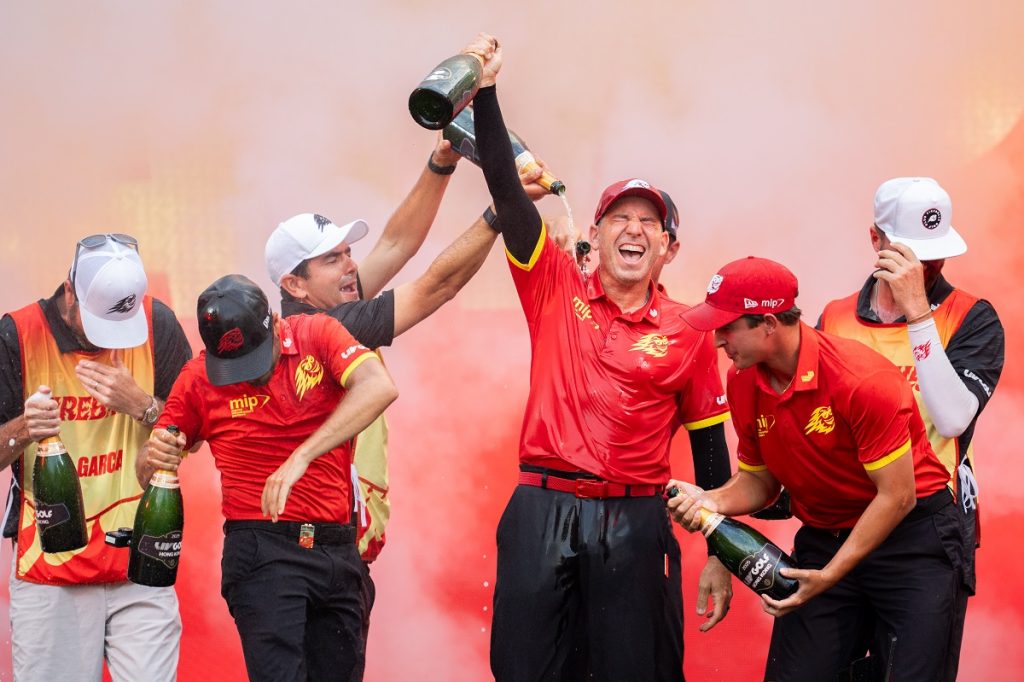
(909, 586)
(299, 612)
(586, 590)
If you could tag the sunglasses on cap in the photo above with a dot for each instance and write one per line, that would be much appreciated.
(94, 241)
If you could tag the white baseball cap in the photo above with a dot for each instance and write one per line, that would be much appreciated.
(306, 236)
(918, 212)
(110, 284)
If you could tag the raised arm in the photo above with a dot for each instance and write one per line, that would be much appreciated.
(408, 226)
(518, 219)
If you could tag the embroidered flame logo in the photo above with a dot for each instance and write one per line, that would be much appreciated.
(821, 421)
(655, 345)
(923, 351)
(231, 340)
(307, 375)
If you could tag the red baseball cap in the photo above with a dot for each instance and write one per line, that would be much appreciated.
(749, 286)
(634, 187)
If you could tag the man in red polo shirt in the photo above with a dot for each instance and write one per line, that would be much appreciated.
(836, 423)
(279, 402)
(588, 578)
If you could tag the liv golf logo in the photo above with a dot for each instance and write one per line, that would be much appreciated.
(164, 548)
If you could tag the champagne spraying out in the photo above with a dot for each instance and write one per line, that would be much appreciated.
(747, 554)
(582, 246)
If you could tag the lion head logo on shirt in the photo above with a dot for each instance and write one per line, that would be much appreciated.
(307, 375)
(821, 421)
(655, 345)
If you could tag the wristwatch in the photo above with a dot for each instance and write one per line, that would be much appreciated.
(151, 414)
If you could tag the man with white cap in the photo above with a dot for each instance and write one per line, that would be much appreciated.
(948, 343)
(94, 363)
(310, 258)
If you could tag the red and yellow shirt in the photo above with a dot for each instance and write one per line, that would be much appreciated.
(606, 387)
(102, 443)
(848, 411)
(253, 429)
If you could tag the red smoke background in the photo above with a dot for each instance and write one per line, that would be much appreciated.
(197, 126)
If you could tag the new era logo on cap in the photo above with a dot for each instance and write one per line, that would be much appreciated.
(306, 236)
(918, 212)
(749, 286)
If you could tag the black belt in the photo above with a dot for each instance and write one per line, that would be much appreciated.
(305, 534)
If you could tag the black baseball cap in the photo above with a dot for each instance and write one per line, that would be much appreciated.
(235, 323)
(671, 214)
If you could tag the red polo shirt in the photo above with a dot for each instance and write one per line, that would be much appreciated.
(848, 411)
(606, 387)
(253, 429)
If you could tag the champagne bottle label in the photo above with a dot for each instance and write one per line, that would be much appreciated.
(51, 449)
(164, 548)
(709, 522)
(759, 570)
(165, 479)
(50, 515)
(440, 73)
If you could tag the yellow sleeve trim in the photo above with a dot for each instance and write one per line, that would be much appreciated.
(355, 363)
(710, 421)
(750, 467)
(888, 459)
(536, 251)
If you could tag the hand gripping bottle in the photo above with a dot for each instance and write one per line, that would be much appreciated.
(461, 132)
(60, 513)
(445, 91)
(748, 555)
(156, 538)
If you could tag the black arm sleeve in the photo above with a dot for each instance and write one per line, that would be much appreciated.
(170, 348)
(372, 322)
(710, 456)
(518, 219)
(12, 399)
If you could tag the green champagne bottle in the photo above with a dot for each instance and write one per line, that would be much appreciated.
(60, 513)
(156, 538)
(445, 91)
(461, 132)
(748, 555)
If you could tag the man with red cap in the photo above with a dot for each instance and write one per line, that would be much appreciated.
(588, 578)
(948, 343)
(836, 424)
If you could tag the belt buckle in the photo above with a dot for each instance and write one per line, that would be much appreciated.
(306, 532)
(587, 489)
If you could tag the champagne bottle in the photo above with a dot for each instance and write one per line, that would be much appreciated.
(748, 555)
(60, 512)
(445, 91)
(461, 132)
(156, 538)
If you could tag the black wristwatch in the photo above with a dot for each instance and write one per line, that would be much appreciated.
(490, 217)
(440, 170)
(151, 414)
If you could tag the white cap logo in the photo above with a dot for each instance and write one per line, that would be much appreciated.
(636, 182)
(715, 282)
